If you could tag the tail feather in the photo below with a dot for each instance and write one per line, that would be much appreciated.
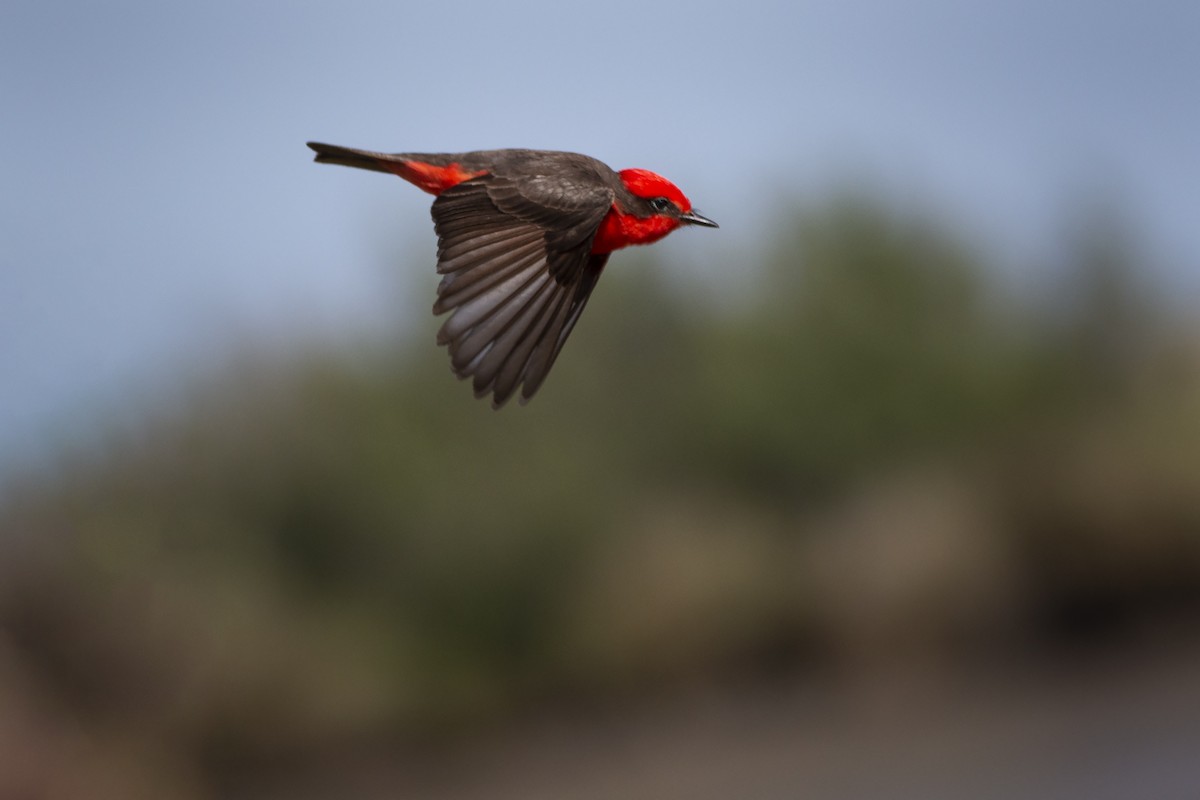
(349, 157)
(432, 172)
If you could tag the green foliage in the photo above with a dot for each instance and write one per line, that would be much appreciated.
(317, 546)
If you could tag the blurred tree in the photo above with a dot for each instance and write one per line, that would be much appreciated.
(317, 546)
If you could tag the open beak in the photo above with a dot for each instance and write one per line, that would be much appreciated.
(692, 218)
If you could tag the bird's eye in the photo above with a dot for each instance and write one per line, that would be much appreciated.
(661, 204)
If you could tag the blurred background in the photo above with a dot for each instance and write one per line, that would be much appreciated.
(888, 488)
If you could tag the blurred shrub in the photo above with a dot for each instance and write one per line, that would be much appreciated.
(882, 452)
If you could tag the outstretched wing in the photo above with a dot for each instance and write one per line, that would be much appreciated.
(518, 267)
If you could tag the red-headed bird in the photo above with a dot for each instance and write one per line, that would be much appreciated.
(522, 238)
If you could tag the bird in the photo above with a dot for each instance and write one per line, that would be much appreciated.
(523, 236)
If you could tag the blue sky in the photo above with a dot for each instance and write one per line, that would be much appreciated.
(159, 206)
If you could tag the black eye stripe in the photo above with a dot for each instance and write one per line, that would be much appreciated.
(661, 204)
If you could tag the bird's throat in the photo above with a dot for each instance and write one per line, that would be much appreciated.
(618, 230)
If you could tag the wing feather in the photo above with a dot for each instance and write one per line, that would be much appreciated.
(459, 287)
(481, 307)
(490, 329)
(511, 348)
(517, 274)
(485, 237)
(483, 248)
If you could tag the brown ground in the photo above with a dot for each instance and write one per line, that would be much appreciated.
(1091, 728)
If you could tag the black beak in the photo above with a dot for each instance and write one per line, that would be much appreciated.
(692, 218)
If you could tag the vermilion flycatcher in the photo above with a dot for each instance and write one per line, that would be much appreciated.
(522, 238)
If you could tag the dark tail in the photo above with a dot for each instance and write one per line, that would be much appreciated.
(349, 157)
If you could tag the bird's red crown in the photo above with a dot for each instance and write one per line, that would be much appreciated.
(648, 185)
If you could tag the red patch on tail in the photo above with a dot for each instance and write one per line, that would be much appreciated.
(432, 179)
